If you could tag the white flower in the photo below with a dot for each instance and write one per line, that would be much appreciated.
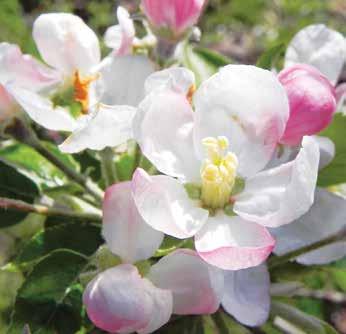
(240, 115)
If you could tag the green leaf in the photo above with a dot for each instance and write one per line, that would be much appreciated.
(212, 57)
(44, 301)
(15, 185)
(268, 59)
(306, 323)
(82, 238)
(226, 324)
(170, 244)
(335, 172)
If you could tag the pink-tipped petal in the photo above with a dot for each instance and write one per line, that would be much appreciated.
(174, 15)
(312, 102)
(326, 217)
(41, 109)
(232, 243)
(247, 295)
(249, 106)
(280, 195)
(110, 126)
(119, 301)
(120, 37)
(164, 204)
(179, 79)
(126, 233)
(197, 288)
(319, 46)
(163, 127)
(24, 70)
(66, 43)
(7, 104)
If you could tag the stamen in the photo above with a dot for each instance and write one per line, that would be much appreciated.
(218, 172)
(81, 89)
(190, 93)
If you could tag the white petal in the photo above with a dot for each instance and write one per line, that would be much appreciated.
(41, 110)
(196, 287)
(126, 233)
(163, 127)
(23, 70)
(179, 79)
(247, 295)
(327, 150)
(109, 126)
(249, 106)
(121, 36)
(164, 204)
(66, 43)
(120, 301)
(326, 217)
(318, 46)
(122, 79)
(280, 195)
(232, 243)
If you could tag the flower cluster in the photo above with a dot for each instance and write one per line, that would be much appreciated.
(234, 162)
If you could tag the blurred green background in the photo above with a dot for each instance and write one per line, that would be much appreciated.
(241, 29)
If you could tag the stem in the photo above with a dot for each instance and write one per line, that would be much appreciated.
(109, 171)
(279, 260)
(24, 133)
(9, 203)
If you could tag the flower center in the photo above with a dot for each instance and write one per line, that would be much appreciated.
(81, 89)
(218, 172)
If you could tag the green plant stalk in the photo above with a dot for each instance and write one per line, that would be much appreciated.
(108, 167)
(9, 203)
(22, 132)
(280, 260)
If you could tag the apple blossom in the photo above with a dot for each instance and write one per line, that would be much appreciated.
(241, 113)
(119, 300)
(312, 102)
(101, 87)
(172, 17)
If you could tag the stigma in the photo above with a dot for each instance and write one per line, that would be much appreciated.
(218, 173)
(81, 89)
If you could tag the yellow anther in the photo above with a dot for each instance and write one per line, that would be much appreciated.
(218, 172)
(81, 89)
(190, 93)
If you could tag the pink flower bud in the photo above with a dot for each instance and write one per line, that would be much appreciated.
(312, 102)
(174, 15)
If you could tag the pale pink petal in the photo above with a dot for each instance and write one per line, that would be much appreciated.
(7, 104)
(326, 217)
(122, 79)
(163, 128)
(312, 102)
(110, 126)
(176, 15)
(164, 204)
(126, 233)
(120, 37)
(247, 296)
(280, 195)
(24, 70)
(232, 243)
(319, 46)
(41, 110)
(119, 301)
(197, 288)
(179, 79)
(249, 106)
(66, 43)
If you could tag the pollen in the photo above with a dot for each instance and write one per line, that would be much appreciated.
(81, 89)
(218, 172)
(190, 93)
